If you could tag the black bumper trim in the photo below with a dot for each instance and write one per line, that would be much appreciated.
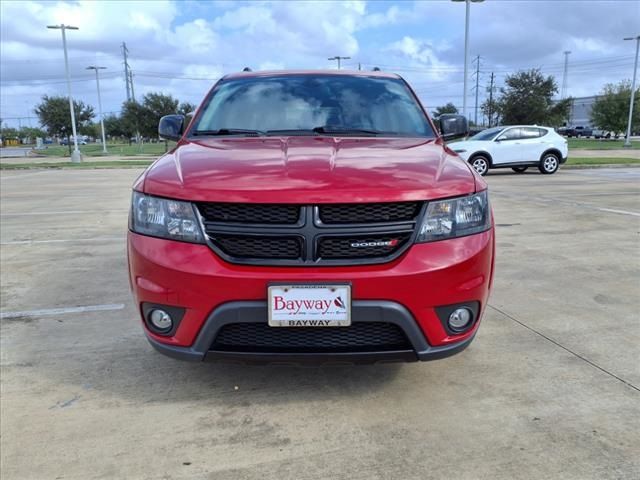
(362, 311)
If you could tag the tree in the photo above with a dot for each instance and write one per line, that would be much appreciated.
(144, 117)
(134, 119)
(448, 108)
(113, 126)
(186, 108)
(55, 116)
(527, 98)
(611, 109)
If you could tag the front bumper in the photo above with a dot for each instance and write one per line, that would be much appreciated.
(361, 311)
(405, 292)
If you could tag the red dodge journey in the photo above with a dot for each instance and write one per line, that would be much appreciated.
(311, 216)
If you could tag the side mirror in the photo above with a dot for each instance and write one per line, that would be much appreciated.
(171, 127)
(453, 126)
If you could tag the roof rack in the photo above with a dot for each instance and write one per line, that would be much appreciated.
(247, 69)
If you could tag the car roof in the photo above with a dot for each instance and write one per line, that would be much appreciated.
(345, 73)
(520, 126)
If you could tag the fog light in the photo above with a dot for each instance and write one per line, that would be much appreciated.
(460, 319)
(160, 320)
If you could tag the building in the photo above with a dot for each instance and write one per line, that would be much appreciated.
(580, 112)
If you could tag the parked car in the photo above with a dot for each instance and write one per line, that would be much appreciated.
(517, 147)
(310, 216)
(577, 132)
(65, 141)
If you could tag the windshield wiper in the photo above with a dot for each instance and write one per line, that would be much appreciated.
(348, 131)
(229, 131)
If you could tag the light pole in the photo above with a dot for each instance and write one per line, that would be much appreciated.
(338, 59)
(76, 156)
(627, 141)
(104, 138)
(466, 50)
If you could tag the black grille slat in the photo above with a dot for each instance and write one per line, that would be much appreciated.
(360, 336)
(368, 212)
(244, 246)
(267, 214)
(343, 247)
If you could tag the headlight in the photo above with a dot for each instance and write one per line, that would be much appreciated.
(160, 217)
(456, 217)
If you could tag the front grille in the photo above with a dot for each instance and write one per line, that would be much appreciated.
(369, 212)
(359, 337)
(270, 214)
(309, 235)
(243, 246)
(369, 246)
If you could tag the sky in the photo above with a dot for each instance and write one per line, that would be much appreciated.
(182, 47)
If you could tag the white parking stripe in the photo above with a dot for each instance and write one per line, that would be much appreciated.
(65, 240)
(63, 310)
(63, 212)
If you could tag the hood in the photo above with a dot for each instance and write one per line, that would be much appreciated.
(309, 170)
(469, 145)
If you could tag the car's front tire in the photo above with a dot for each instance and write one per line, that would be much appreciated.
(519, 169)
(480, 164)
(549, 163)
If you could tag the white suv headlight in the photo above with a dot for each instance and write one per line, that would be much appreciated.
(164, 218)
(455, 217)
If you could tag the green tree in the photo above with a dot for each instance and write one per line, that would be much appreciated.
(133, 119)
(448, 108)
(527, 98)
(611, 109)
(144, 117)
(113, 126)
(55, 116)
(156, 106)
(186, 108)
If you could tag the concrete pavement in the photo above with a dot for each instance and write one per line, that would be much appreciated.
(549, 388)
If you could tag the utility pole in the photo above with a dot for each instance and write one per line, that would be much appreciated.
(127, 77)
(133, 95)
(104, 138)
(491, 102)
(563, 91)
(627, 141)
(76, 156)
(338, 59)
(359, 66)
(466, 50)
(477, 61)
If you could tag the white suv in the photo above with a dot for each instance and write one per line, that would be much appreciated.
(517, 147)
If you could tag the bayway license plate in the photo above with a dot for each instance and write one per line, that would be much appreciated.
(309, 305)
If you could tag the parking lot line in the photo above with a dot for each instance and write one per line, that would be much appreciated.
(62, 310)
(62, 212)
(62, 240)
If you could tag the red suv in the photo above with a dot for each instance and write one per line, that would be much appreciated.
(309, 215)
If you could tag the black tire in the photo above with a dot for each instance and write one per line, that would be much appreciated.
(519, 169)
(549, 163)
(480, 164)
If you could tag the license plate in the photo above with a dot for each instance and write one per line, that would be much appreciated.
(309, 305)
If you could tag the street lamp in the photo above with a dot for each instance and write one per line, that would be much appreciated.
(627, 141)
(338, 59)
(76, 156)
(466, 50)
(104, 139)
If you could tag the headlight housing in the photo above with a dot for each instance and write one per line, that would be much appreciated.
(164, 218)
(455, 217)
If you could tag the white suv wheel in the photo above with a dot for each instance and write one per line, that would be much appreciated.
(480, 165)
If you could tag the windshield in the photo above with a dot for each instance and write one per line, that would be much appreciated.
(487, 134)
(312, 104)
